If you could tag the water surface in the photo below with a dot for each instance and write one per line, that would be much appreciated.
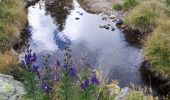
(53, 27)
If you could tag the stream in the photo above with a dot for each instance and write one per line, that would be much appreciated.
(59, 24)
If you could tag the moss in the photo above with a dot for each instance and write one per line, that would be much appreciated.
(129, 4)
(167, 2)
(117, 7)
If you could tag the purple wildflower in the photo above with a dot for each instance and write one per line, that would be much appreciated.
(86, 83)
(35, 68)
(28, 59)
(72, 71)
(94, 79)
(65, 66)
(34, 57)
(45, 86)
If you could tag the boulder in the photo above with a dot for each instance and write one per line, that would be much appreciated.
(10, 89)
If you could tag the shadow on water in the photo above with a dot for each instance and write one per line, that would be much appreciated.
(59, 10)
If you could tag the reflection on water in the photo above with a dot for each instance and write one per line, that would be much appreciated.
(107, 49)
(59, 9)
(45, 34)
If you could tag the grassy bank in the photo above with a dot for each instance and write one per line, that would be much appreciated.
(12, 19)
(151, 18)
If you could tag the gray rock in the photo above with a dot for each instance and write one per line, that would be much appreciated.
(123, 94)
(10, 89)
(119, 22)
(104, 26)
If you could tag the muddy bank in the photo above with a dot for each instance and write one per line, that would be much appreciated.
(157, 80)
(134, 36)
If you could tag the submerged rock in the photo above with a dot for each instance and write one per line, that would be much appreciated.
(77, 18)
(104, 26)
(10, 89)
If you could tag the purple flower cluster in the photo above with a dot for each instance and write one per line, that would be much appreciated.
(45, 86)
(28, 62)
(72, 71)
(30, 58)
(87, 83)
(94, 79)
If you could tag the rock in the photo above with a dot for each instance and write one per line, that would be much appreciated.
(104, 26)
(123, 94)
(81, 14)
(77, 18)
(113, 29)
(119, 22)
(112, 17)
(10, 89)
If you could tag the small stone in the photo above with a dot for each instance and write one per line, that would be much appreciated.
(119, 22)
(113, 29)
(104, 26)
(81, 14)
(77, 18)
(112, 17)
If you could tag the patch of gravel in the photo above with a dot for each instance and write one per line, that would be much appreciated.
(102, 6)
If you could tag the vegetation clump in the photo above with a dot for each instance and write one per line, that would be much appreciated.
(8, 63)
(144, 16)
(117, 7)
(126, 5)
(65, 80)
(12, 19)
(157, 47)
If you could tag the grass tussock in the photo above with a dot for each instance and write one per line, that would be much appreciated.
(157, 47)
(12, 19)
(140, 95)
(144, 16)
(8, 63)
(117, 7)
(126, 5)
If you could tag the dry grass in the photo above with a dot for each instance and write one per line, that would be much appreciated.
(12, 18)
(8, 63)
